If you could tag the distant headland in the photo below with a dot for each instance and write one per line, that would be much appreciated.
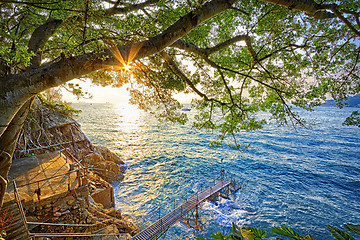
(353, 101)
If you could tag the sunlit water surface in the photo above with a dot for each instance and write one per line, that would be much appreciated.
(305, 179)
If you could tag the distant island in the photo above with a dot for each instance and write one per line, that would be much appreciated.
(353, 101)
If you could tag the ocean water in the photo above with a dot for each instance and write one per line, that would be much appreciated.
(306, 178)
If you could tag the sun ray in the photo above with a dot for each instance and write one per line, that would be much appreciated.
(134, 49)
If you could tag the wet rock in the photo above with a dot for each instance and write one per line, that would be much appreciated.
(122, 169)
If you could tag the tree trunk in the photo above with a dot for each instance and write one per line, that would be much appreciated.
(8, 141)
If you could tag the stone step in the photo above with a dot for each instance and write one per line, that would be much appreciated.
(9, 206)
(14, 230)
(21, 236)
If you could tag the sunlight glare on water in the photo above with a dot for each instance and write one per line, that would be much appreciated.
(129, 118)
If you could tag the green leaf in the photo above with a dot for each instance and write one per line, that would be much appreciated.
(352, 228)
(288, 232)
(236, 231)
(340, 234)
(247, 234)
(219, 236)
(307, 237)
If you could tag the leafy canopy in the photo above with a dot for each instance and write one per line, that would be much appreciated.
(256, 56)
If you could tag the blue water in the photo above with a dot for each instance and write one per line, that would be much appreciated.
(305, 178)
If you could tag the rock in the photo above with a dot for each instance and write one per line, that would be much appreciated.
(88, 220)
(108, 155)
(113, 213)
(55, 209)
(111, 229)
(93, 158)
(109, 171)
(112, 172)
(71, 202)
(123, 169)
(65, 212)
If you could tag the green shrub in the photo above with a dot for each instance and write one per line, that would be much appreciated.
(250, 233)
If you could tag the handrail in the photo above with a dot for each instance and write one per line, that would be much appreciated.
(73, 158)
(18, 201)
(70, 225)
(151, 215)
(35, 235)
(76, 234)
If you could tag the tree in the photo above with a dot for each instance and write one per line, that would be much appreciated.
(244, 56)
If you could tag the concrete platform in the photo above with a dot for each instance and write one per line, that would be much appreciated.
(48, 172)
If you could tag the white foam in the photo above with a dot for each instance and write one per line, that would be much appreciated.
(225, 212)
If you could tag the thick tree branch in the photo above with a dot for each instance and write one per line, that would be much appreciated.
(205, 52)
(8, 142)
(334, 8)
(39, 38)
(310, 7)
(117, 10)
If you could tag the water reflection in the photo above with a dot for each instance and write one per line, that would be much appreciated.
(128, 118)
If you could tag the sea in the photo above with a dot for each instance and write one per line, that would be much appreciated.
(303, 178)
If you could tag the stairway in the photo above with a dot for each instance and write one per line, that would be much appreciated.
(16, 230)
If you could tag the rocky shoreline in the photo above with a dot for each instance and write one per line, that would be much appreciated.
(46, 131)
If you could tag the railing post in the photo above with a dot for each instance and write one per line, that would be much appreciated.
(78, 177)
(162, 227)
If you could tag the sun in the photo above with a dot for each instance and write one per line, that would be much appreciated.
(127, 67)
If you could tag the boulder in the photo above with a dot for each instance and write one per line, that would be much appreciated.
(110, 171)
(108, 155)
(93, 158)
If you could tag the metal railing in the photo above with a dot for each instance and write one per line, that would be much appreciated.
(156, 213)
(21, 209)
(33, 235)
(160, 226)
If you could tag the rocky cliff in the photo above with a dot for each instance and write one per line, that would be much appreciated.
(47, 130)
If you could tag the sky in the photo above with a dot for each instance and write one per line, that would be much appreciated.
(109, 94)
(99, 94)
